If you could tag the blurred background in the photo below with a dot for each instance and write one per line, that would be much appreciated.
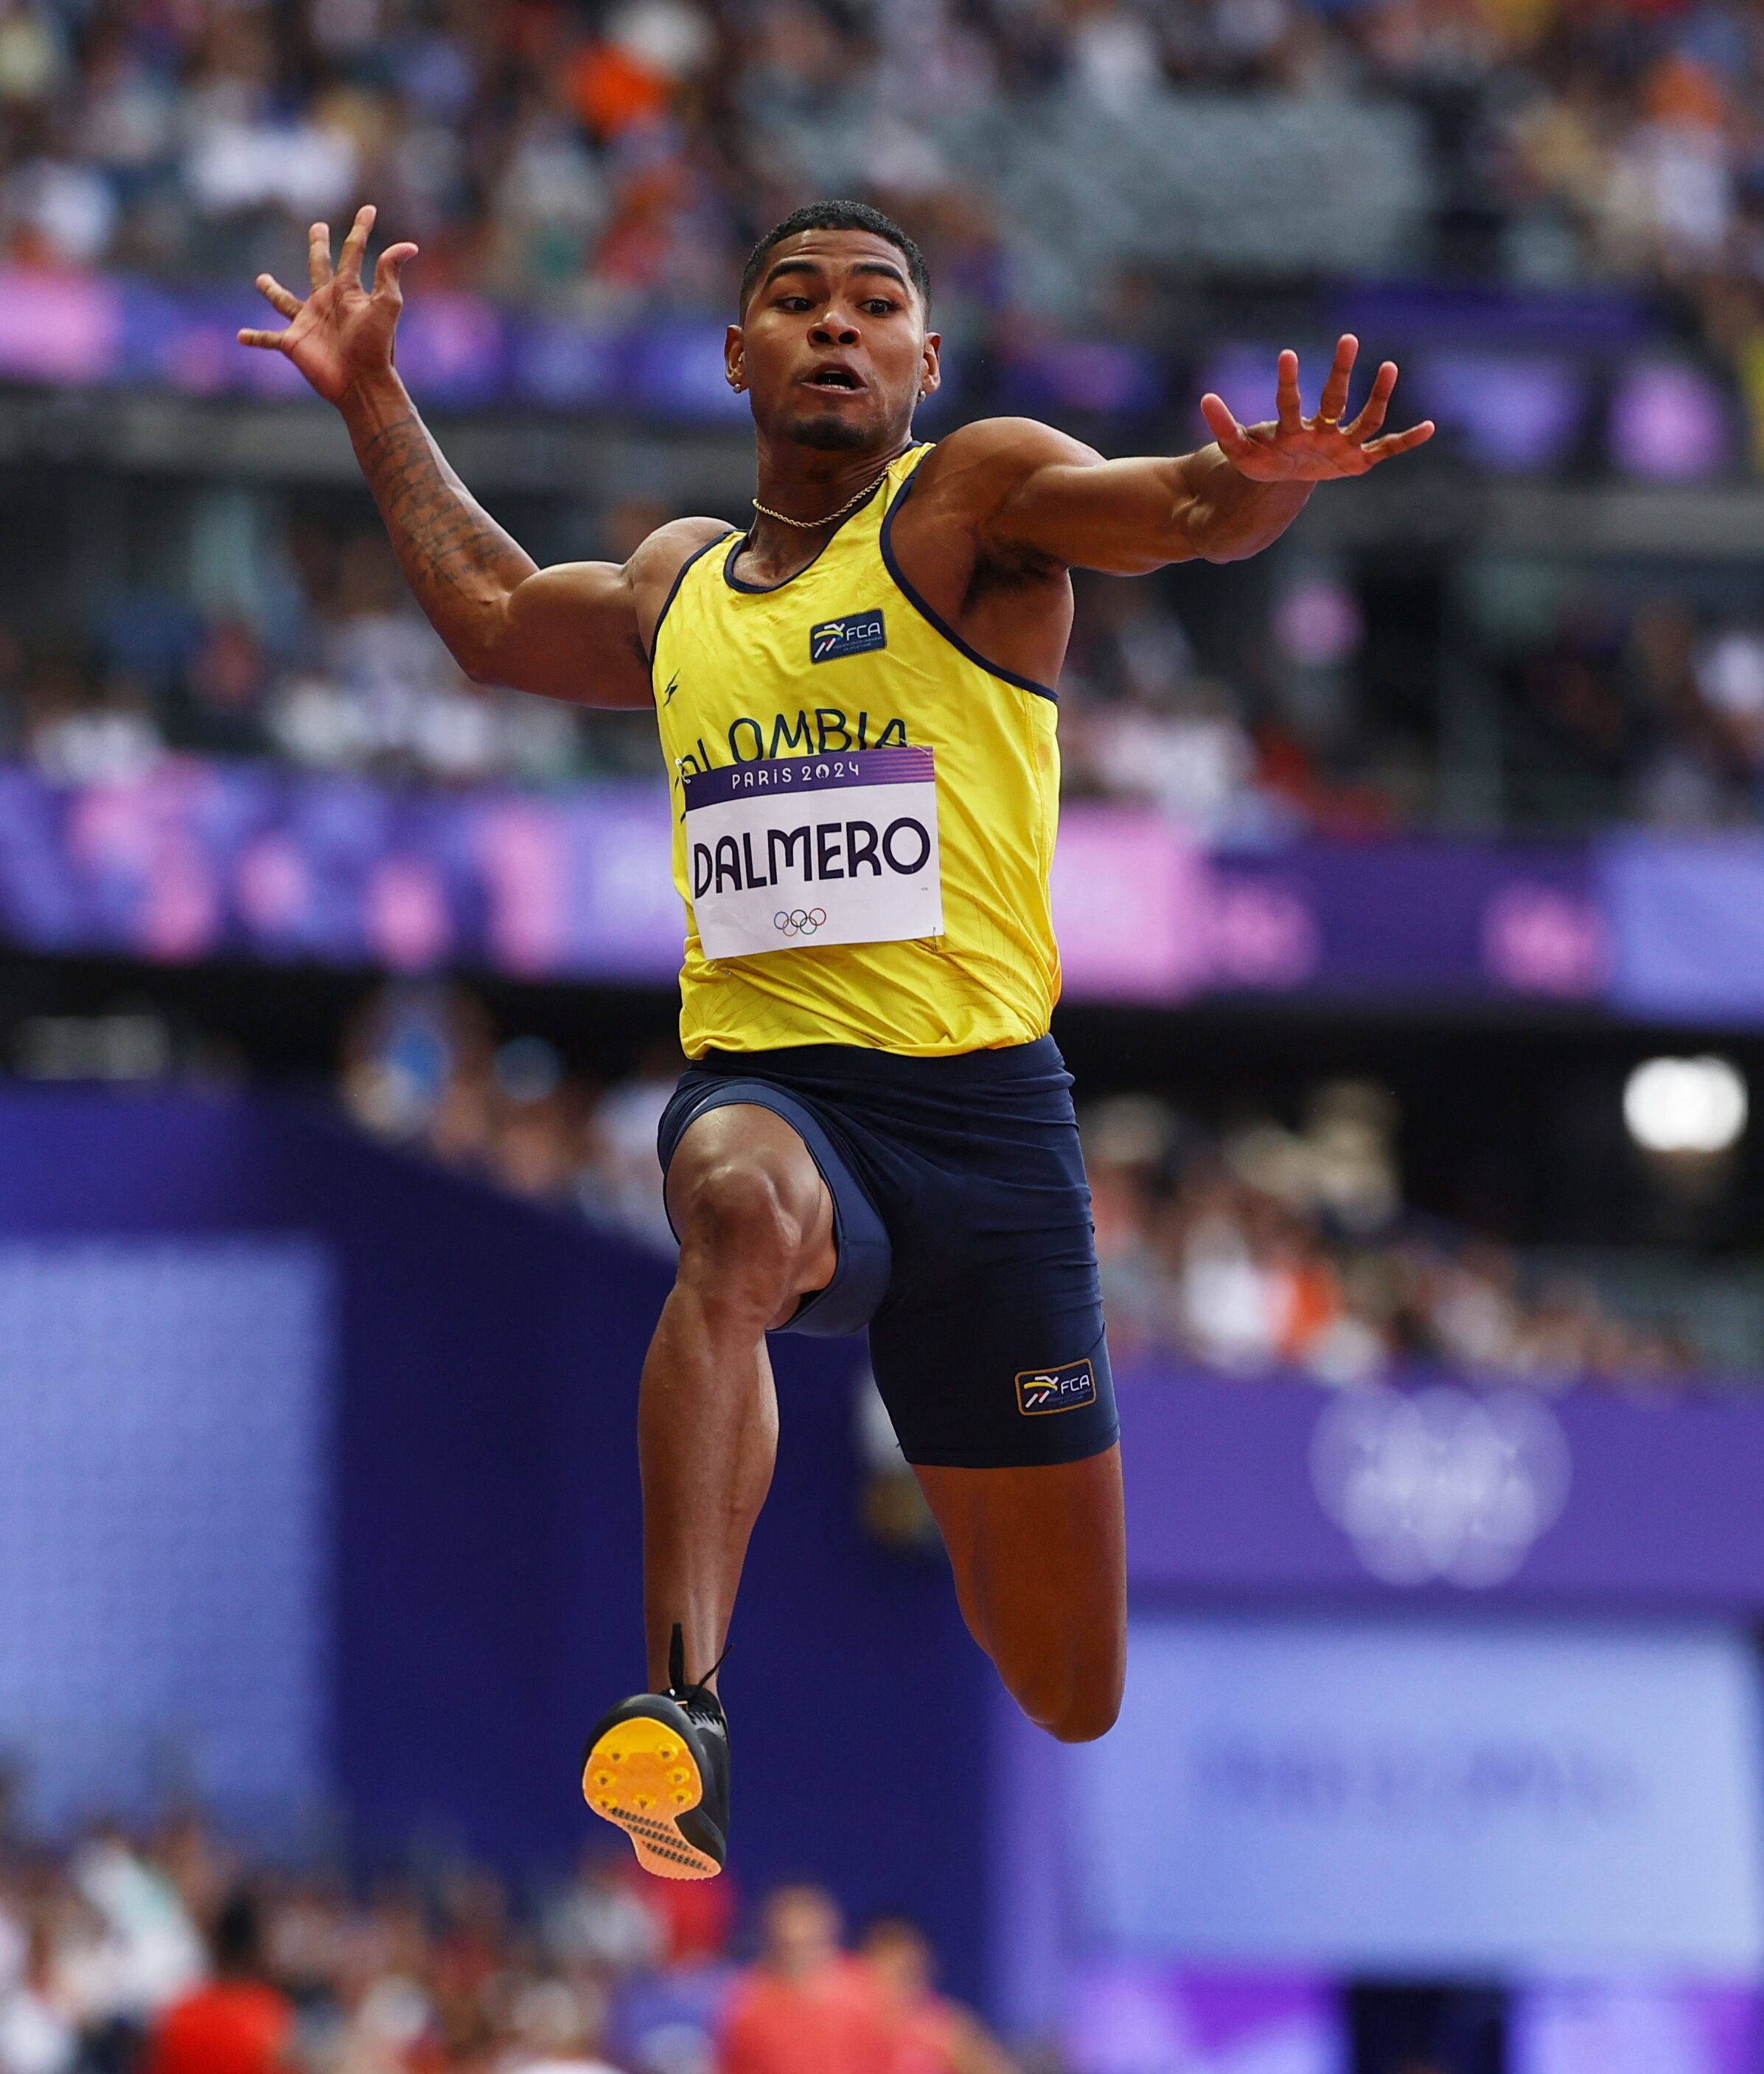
(1412, 895)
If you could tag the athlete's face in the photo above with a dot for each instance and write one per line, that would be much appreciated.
(832, 343)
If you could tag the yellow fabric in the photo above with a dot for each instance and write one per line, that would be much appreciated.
(733, 681)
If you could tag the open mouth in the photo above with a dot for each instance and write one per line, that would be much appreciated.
(834, 377)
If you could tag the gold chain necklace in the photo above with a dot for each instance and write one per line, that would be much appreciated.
(808, 525)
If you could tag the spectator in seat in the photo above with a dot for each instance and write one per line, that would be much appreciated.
(807, 2007)
(927, 2033)
(237, 2023)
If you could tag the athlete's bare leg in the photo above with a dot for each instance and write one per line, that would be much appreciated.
(1040, 1558)
(756, 1227)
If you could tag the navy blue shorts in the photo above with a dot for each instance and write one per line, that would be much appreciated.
(965, 1242)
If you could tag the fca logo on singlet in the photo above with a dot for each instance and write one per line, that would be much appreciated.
(857, 634)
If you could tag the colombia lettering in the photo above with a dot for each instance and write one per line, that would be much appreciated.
(823, 731)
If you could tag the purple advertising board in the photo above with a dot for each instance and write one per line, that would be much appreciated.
(1510, 377)
(1636, 2027)
(195, 860)
(1440, 1492)
(1408, 915)
(192, 860)
(1686, 916)
(1340, 1792)
(1127, 2017)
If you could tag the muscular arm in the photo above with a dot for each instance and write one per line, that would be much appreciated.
(576, 631)
(1034, 491)
(1066, 502)
(571, 632)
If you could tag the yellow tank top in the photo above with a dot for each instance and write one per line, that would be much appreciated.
(845, 657)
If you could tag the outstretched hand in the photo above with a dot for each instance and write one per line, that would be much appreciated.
(342, 331)
(1295, 448)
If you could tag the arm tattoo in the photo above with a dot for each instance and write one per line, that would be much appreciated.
(458, 563)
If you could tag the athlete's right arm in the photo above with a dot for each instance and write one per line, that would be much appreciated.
(576, 631)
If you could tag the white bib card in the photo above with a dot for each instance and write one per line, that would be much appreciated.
(814, 849)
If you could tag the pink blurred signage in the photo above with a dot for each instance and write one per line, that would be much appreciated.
(1637, 2027)
(193, 860)
(409, 926)
(1132, 2018)
(522, 852)
(57, 327)
(1543, 940)
(1670, 423)
(1131, 907)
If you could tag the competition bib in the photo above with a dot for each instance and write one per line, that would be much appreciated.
(814, 849)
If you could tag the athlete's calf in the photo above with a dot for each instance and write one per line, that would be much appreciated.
(756, 1231)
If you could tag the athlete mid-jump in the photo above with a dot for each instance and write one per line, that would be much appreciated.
(856, 706)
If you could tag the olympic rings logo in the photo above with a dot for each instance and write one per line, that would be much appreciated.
(804, 923)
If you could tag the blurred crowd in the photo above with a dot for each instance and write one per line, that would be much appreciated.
(168, 1953)
(1241, 743)
(1257, 1250)
(332, 668)
(1244, 731)
(603, 155)
(1645, 710)
(604, 160)
(1264, 1247)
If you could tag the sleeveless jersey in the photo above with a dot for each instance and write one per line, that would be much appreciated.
(843, 658)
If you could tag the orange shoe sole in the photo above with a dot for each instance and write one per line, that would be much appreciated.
(641, 1777)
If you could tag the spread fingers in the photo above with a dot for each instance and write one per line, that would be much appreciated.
(284, 300)
(1371, 417)
(1287, 407)
(348, 264)
(1334, 399)
(1396, 443)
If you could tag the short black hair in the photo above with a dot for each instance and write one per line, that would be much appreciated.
(838, 216)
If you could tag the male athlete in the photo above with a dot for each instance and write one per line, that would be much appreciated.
(857, 705)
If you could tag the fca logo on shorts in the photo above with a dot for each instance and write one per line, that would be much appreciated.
(1040, 1390)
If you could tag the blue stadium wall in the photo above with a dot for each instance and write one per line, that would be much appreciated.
(463, 1467)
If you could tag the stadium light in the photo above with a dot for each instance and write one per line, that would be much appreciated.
(1685, 1105)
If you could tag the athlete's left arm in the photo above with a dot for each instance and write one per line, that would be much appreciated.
(1058, 498)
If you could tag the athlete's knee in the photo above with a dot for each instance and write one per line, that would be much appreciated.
(1076, 1696)
(737, 1230)
(1086, 1717)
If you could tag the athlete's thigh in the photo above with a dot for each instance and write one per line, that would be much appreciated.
(742, 1139)
(992, 1355)
(994, 1366)
(1040, 1559)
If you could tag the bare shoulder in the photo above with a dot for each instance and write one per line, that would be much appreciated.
(654, 569)
(1009, 602)
(978, 465)
(667, 550)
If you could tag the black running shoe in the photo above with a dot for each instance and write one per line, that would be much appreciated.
(658, 1768)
